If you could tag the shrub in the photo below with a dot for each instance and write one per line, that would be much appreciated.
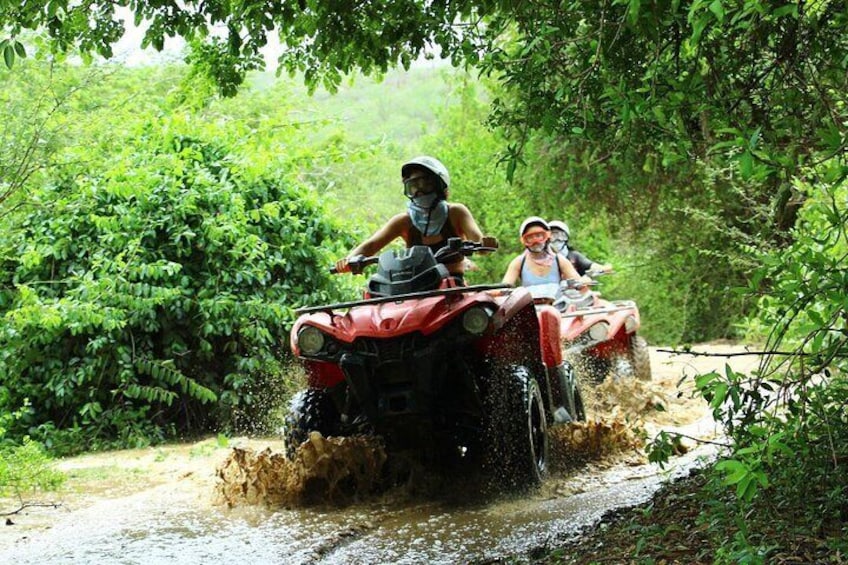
(151, 298)
(24, 467)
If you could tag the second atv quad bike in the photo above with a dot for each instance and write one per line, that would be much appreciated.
(599, 336)
(470, 372)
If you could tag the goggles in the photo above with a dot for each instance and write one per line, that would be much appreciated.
(535, 237)
(422, 184)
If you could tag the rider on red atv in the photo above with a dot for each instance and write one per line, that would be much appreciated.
(538, 265)
(469, 373)
(429, 220)
(600, 336)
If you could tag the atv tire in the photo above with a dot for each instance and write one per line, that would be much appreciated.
(310, 410)
(569, 384)
(579, 413)
(516, 430)
(640, 358)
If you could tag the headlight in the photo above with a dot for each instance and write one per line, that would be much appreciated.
(476, 320)
(310, 339)
(630, 324)
(599, 331)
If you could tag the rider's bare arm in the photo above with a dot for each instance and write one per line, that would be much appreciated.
(396, 227)
(467, 227)
(602, 267)
(566, 269)
(513, 271)
(462, 219)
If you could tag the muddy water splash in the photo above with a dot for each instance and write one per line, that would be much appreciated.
(166, 514)
(323, 469)
(339, 470)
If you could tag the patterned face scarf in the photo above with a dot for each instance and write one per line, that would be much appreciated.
(541, 257)
(428, 213)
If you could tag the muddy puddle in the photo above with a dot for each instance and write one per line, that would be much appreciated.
(209, 503)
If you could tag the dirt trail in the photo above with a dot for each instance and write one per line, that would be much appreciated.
(105, 490)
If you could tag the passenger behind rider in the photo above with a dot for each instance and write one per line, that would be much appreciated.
(429, 219)
(538, 264)
(560, 235)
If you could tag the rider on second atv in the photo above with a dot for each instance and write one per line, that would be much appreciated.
(560, 235)
(429, 219)
(538, 264)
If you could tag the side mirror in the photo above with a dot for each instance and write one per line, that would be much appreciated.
(454, 244)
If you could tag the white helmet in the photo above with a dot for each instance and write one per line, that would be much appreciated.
(561, 226)
(532, 221)
(431, 164)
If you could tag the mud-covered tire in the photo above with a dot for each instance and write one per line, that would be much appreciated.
(515, 428)
(640, 358)
(569, 382)
(309, 410)
(579, 408)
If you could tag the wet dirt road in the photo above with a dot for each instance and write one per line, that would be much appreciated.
(159, 505)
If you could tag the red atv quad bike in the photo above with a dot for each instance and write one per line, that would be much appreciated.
(455, 373)
(600, 336)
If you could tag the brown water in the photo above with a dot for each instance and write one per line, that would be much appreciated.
(209, 504)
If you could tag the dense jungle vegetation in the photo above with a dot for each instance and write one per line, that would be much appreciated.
(161, 224)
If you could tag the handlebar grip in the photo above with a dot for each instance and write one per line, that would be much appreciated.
(356, 265)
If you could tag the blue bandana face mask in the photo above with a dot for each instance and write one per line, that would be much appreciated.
(559, 246)
(427, 213)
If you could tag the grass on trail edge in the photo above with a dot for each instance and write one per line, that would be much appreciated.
(685, 524)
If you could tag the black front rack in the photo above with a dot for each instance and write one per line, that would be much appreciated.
(402, 297)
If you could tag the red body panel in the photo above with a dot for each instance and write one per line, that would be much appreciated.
(391, 319)
(426, 315)
(578, 321)
(322, 374)
(549, 335)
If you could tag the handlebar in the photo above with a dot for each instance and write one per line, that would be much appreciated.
(454, 251)
(569, 284)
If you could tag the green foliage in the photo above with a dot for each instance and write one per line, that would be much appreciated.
(790, 420)
(146, 298)
(218, 63)
(24, 467)
(12, 49)
(682, 124)
(320, 40)
(35, 107)
(789, 461)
